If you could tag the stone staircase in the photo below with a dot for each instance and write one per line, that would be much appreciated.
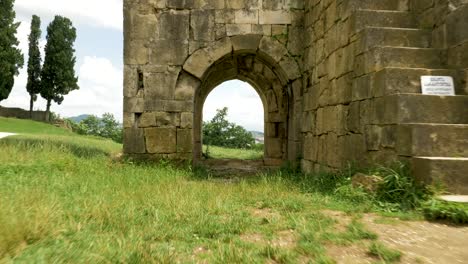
(431, 131)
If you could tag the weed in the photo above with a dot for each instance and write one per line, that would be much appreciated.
(383, 253)
(399, 191)
(442, 210)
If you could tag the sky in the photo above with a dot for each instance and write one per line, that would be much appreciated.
(99, 64)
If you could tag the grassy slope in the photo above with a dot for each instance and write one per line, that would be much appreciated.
(226, 153)
(62, 199)
(21, 126)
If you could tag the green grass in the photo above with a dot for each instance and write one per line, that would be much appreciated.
(22, 126)
(65, 199)
(227, 153)
(384, 253)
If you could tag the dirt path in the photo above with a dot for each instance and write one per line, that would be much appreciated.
(419, 241)
(3, 134)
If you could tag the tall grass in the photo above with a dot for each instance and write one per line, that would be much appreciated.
(63, 199)
(215, 152)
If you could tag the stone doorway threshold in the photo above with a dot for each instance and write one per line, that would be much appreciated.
(236, 167)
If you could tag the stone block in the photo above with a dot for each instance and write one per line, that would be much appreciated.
(275, 17)
(161, 140)
(169, 52)
(432, 140)
(133, 105)
(136, 52)
(273, 148)
(180, 4)
(202, 23)
(272, 49)
(447, 172)
(147, 119)
(128, 120)
(246, 16)
(184, 140)
(198, 63)
(238, 29)
(246, 42)
(161, 86)
(186, 87)
(186, 120)
(130, 81)
(174, 25)
(167, 119)
(220, 48)
(209, 4)
(134, 140)
(290, 66)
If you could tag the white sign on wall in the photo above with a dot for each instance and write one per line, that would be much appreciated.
(437, 85)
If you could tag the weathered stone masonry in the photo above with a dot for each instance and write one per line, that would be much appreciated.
(339, 79)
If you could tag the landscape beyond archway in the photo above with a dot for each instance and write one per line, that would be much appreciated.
(271, 84)
(238, 105)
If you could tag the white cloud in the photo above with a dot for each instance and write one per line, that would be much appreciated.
(96, 13)
(244, 104)
(100, 81)
(100, 91)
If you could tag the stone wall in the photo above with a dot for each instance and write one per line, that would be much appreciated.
(22, 114)
(448, 21)
(339, 79)
(177, 51)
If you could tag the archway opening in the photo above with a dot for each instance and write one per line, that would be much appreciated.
(233, 122)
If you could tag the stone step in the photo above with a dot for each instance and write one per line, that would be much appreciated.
(432, 140)
(452, 173)
(381, 57)
(234, 167)
(394, 37)
(408, 80)
(395, 5)
(361, 19)
(419, 108)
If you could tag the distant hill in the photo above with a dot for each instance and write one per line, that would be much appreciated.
(79, 118)
(256, 134)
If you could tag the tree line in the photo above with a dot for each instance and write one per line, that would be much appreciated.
(54, 78)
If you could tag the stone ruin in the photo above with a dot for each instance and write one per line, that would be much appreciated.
(339, 79)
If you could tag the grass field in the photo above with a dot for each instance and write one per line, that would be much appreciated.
(226, 153)
(63, 199)
(22, 126)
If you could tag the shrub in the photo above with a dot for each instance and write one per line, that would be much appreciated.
(441, 210)
(220, 132)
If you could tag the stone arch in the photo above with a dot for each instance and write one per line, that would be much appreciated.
(264, 63)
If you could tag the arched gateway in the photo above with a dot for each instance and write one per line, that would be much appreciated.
(339, 79)
(177, 52)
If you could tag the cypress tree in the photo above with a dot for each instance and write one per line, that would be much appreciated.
(34, 62)
(11, 59)
(58, 73)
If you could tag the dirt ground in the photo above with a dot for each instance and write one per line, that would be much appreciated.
(419, 241)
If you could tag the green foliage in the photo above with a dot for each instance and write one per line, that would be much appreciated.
(23, 126)
(11, 59)
(33, 85)
(383, 253)
(215, 152)
(220, 132)
(58, 73)
(399, 190)
(442, 210)
(106, 127)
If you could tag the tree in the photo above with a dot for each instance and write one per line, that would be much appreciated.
(106, 127)
(11, 59)
(34, 62)
(222, 133)
(58, 73)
